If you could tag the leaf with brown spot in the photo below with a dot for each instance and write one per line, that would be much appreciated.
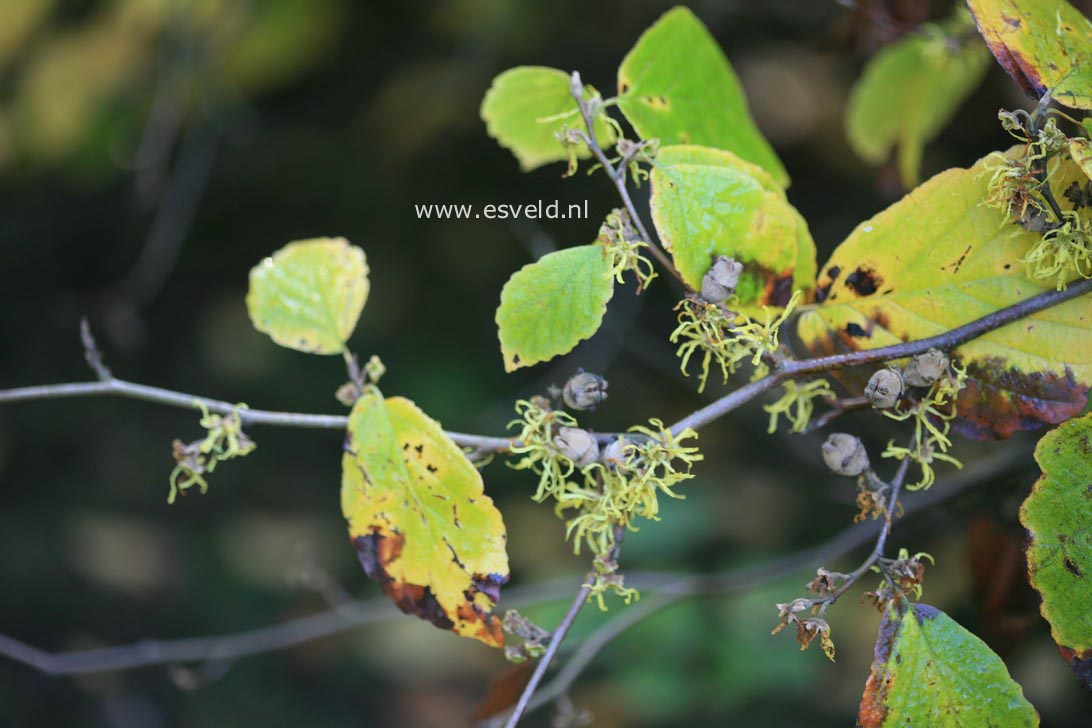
(937, 259)
(707, 202)
(420, 520)
(1058, 516)
(1045, 45)
(675, 85)
(929, 671)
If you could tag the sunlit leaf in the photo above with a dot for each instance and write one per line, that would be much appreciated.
(937, 259)
(707, 202)
(929, 671)
(420, 520)
(908, 92)
(524, 109)
(1045, 45)
(677, 86)
(551, 305)
(1058, 516)
(309, 294)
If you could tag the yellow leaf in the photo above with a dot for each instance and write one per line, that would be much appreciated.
(420, 520)
(1045, 45)
(940, 258)
(308, 296)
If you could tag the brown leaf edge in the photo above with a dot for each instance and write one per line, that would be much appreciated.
(376, 550)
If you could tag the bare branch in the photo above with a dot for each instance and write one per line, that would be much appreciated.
(131, 390)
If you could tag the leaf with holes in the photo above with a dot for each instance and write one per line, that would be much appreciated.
(676, 85)
(929, 671)
(524, 109)
(1058, 517)
(707, 202)
(1045, 45)
(551, 305)
(420, 520)
(308, 296)
(908, 92)
(940, 258)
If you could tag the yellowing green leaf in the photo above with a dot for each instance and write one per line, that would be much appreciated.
(1045, 45)
(1058, 517)
(308, 296)
(937, 259)
(526, 106)
(677, 86)
(551, 305)
(1081, 152)
(907, 93)
(708, 202)
(420, 520)
(929, 671)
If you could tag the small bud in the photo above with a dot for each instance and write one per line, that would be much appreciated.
(884, 388)
(616, 453)
(721, 280)
(577, 445)
(584, 391)
(845, 454)
(924, 369)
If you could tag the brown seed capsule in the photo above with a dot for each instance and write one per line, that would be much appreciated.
(616, 453)
(924, 369)
(576, 445)
(845, 454)
(721, 280)
(884, 388)
(584, 391)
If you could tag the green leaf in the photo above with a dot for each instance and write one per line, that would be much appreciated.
(308, 296)
(527, 105)
(1045, 45)
(929, 671)
(908, 92)
(1058, 517)
(677, 86)
(940, 258)
(420, 520)
(708, 202)
(551, 305)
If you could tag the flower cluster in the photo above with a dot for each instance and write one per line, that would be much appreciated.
(1062, 251)
(624, 246)
(797, 403)
(807, 627)
(932, 415)
(622, 485)
(225, 441)
(724, 339)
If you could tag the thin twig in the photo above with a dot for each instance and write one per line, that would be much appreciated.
(838, 407)
(551, 651)
(618, 177)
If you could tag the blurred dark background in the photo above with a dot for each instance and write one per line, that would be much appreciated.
(152, 151)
